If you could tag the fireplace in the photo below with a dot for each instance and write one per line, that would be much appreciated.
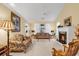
(63, 37)
(65, 34)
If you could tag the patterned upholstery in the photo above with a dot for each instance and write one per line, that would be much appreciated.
(19, 43)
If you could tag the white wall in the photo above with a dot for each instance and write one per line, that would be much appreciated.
(37, 28)
(47, 28)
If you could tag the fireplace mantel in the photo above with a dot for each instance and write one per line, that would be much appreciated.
(68, 30)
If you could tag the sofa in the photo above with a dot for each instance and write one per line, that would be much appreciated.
(19, 43)
(43, 36)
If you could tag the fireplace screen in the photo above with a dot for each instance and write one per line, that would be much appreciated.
(63, 37)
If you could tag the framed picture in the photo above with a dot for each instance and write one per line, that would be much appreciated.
(67, 21)
(16, 22)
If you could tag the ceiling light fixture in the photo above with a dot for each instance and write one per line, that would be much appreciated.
(43, 15)
(12, 4)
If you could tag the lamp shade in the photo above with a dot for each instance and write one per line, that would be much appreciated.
(6, 24)
(1, 22)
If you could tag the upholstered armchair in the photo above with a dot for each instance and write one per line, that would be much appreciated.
(19, 43)
(71, 51)
(77, 31)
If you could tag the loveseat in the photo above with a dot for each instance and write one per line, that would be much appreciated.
(19, 43)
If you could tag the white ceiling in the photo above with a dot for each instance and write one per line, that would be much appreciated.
(38, 11)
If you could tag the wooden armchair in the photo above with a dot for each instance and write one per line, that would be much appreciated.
(71, 51)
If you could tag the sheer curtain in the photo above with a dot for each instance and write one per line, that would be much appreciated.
(47, 28)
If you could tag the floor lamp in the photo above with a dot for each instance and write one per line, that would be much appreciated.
(8, 26)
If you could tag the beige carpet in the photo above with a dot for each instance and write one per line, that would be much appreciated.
(40, 48)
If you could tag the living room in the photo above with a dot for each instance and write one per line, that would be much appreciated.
(39, 29)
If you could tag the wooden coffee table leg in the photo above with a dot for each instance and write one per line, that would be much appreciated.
(49, 40)
(38, 39)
